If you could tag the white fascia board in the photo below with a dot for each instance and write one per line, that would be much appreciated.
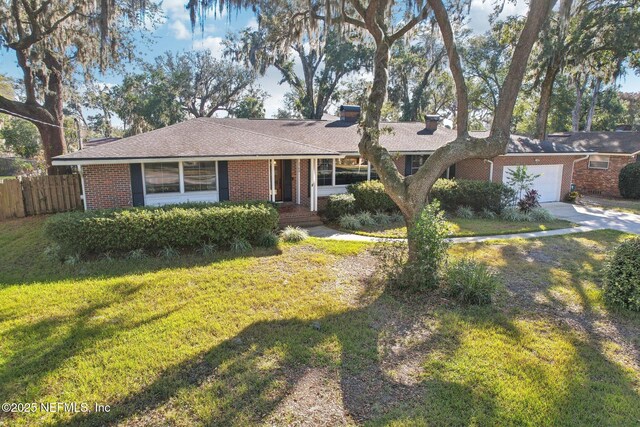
(81, 162)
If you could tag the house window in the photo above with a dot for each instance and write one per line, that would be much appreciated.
(199, 176)
(342, 172)
(599, 162)
(351, 170)
(416, 162)
(162, 178)
(325, 172)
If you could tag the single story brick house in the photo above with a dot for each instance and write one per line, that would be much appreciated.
(598, 173)
(296, 162)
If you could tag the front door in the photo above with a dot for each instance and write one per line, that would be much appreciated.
(282, 175)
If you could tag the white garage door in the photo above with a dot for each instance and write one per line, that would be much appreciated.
(548, 184)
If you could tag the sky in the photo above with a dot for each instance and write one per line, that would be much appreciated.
(174, 34)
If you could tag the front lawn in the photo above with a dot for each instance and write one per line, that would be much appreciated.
(461, 227)
(302, 335)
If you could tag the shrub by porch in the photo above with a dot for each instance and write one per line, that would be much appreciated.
(153, 228)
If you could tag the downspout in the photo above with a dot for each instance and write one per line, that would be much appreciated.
(490, 169)
(573, 166)
(272, 179)
(83, 196)
(298, 181)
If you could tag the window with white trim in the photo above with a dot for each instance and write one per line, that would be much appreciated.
(342, 172)
(162, 177)
(199, 176)
(180, 177)
(325, 172)
(416, 162)
(351, 170)
(598, 162)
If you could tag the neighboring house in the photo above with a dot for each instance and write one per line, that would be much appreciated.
(299, 162)
(598, 173)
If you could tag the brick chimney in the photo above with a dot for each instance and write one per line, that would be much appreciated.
(431, 122)
(350, 113)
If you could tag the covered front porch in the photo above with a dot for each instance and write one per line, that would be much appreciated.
(294, 184)
(302, 181)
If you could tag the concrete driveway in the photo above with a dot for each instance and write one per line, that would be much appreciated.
(596, 218)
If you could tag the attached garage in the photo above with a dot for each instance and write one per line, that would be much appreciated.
(548, 183)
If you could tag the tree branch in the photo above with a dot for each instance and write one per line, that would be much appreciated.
(455, 65)
(409, 25)
(538, 13)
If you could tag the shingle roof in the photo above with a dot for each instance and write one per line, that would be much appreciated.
(523, 144)
(201, 137)
(213, 137)
(601, 142)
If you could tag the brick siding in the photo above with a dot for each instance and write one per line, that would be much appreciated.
(107, 186)
(600, 181)
(475, 169)
(248, 180)
(304, 182)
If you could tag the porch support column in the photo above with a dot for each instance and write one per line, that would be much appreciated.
(314, 185)
(272, 180)
(298, 181)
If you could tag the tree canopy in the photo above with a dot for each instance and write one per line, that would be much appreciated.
(54, 41)
(284, 37)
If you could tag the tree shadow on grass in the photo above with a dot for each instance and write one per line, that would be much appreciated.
(52, 341)
(48, 271)
(372, 350)
(245, 379)
(248, 379)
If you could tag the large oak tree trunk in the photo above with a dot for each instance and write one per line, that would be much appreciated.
(577, 108)
(592, 106)
(544, 105)
(54, 144)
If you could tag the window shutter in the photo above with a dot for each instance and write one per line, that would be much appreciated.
(223, 180)
(137, 188)
(407, 165)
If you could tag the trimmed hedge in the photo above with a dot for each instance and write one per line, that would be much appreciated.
(478, 195)
(152, 228)
(629, 181)
(339, 205)
(622, 275)
(370, 196)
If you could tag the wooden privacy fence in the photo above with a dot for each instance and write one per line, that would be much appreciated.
(40, 195)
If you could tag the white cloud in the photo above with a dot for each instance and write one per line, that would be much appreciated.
(214, 44)
(269, 83)
(180, 30)
(482, 9)
(253, 23)
(177, 17)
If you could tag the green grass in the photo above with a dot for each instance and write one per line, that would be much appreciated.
(461, 227)
(7, 177)
(226, 340)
